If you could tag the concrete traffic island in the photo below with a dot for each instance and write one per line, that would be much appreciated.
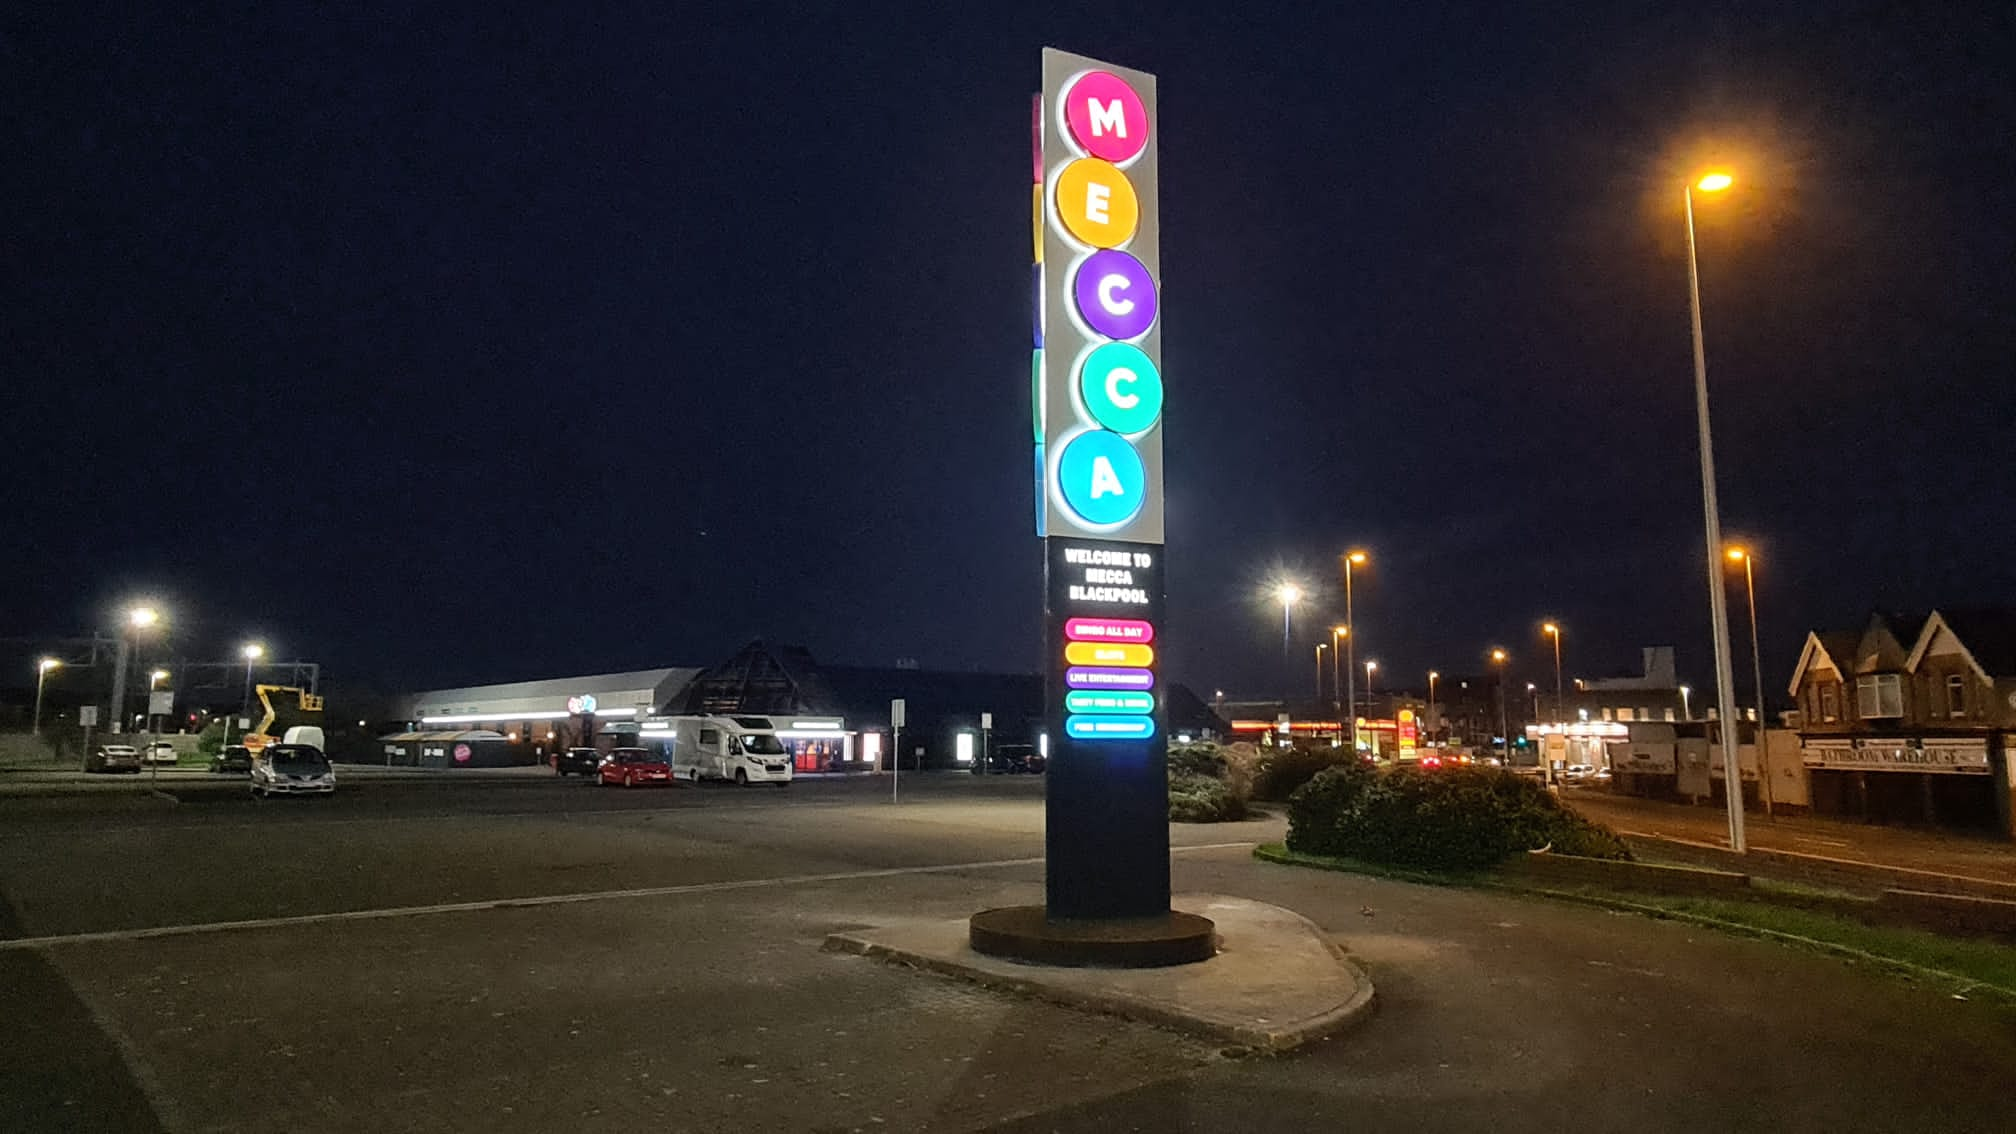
(1276, 982)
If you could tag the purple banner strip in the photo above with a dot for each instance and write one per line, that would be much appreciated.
(1099, 677)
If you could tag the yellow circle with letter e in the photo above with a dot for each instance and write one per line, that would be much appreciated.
(1097, 204)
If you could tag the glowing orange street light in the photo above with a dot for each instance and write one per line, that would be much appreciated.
(1498, 658)
(1356, 557)
(42, 669)
(1739, 554)
(1714, 181)
(1553, 630)
(1337, 636)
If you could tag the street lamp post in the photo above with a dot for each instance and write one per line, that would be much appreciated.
(1337, 636)
(1498, 658)
(153, 679)
(1432, 675)
(1289, 594)
(1320, 647)
(1757, 672)
(42, 669)
(1546, 765)
(1553, 630)
(138, 619)
(1351, 559)
(251, 652)
(1711, 523)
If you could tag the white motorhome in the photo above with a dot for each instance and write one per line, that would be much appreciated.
(739, 748)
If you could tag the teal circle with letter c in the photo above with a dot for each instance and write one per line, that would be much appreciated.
(1121, 388)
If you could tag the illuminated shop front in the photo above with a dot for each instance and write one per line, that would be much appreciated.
(1578, 742)
(819, 744)
(832, 719)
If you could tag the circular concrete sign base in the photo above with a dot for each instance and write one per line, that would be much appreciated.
(1026, 933)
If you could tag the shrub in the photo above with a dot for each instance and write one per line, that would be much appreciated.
(1316, 808)
(1446, 819)
(1241, 761)
(210, 741)
(1201, 759)
(1283, 770)
(1203, 799)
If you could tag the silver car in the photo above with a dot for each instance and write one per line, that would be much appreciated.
(292, 769)
(113, 758)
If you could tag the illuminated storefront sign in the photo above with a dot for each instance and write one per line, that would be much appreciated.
(1099, 400)
(1888, 754)
(1108, 728)
(1085, 701)
(1098, 653)
(1108, 630)
(581, 706)
(1085, 678)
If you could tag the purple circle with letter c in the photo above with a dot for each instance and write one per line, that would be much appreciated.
(1116, 297)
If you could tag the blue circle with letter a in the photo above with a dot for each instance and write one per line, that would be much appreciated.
(1101, 479)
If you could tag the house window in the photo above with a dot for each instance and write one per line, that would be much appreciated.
(1956, 695)
(1879, 696)
(1606, 714)
(1669, 713)
(1830, 707)
(1623, 714)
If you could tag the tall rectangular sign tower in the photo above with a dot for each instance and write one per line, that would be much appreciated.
(1097, 374)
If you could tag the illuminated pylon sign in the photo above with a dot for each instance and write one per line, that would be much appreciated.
(1099, 339)
(1097, 375)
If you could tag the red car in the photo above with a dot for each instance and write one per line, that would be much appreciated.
(633, 766)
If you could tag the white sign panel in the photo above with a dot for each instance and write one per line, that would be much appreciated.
(1649, 757)
(896, 708)
(88, 716)
(161, 702)
(1962, 755)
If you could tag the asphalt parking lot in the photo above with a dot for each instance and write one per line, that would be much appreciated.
(549, 955)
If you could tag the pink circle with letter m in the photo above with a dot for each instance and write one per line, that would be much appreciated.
(1106, 117)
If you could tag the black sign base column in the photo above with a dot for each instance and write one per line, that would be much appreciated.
(1107, 805)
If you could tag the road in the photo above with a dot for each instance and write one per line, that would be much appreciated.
(1943, 852)
(540, 956)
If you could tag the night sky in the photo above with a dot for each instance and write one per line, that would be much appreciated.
(446, 347)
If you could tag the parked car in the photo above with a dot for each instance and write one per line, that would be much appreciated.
(234, 758)
(1014, 760)
(633, 766)
(159, 752)
(113, 758)
(577, 761)
(292, 769)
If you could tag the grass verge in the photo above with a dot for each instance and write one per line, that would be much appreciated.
(1966, 966)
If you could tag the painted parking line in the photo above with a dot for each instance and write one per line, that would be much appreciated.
(393, 912)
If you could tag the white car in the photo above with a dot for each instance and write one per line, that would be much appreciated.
(292, 769)
(159, 752)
